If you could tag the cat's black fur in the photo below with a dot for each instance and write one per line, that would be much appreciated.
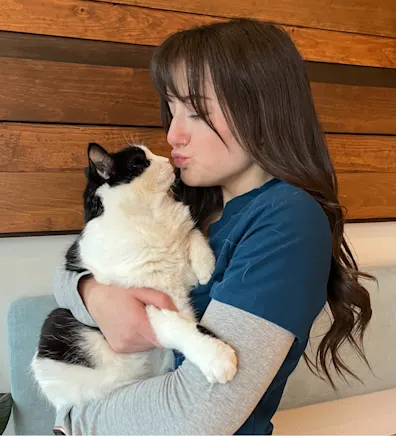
(57, 345)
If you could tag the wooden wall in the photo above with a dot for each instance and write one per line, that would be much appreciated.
(74, 71)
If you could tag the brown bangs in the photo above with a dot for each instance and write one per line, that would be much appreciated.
(186, 51)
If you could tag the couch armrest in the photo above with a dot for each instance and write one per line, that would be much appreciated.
(31, 412)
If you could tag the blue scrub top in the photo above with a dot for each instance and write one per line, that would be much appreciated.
(273, 249)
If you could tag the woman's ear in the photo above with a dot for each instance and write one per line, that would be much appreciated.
(101, 160)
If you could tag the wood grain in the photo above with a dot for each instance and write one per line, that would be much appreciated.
(46, 202)
(43, 148)
(52, 202)
(122, 23)
(355, 109)
(376, 17)
(368, 195)
(76, 93)
(344, 48)
(60, 49)
(360, 153)
(46, 91)
(80, 51)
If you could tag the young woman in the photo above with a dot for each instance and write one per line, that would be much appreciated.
(237, 107)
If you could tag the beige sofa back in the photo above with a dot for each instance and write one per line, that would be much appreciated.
(304, 388)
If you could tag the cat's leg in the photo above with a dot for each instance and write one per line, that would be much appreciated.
(201, 257)
(215, 359)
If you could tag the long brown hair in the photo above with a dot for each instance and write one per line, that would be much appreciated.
(263, 89)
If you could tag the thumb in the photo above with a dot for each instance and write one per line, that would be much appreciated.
(156, 298)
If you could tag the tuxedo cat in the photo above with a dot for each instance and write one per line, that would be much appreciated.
(136, 235)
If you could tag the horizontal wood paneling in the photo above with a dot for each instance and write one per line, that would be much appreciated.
(350, 74)
(355, 109)
(45, 91)
(359, 153)
(48, 202)
(368, 195)
(41, 202)
(377, 17)
(53, 48)
(344, 48)
(137, 25)
(39, 91)
(80, 51)
(34, 148)
(41, 180)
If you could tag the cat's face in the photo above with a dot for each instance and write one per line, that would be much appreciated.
(135, 167)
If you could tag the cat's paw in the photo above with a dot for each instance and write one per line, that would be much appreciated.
(221, 366)
(206, 268)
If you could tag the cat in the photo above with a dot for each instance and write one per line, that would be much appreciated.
(136, 234)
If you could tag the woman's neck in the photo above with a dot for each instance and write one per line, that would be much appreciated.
(252, 178)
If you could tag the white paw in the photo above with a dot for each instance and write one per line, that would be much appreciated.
(221, 366)
(206, 268)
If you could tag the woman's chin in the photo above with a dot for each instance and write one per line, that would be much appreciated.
(188, 178)
(194, 180)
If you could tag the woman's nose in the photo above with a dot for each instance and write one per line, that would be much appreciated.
(178, 134)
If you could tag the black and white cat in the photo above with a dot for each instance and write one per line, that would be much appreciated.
(136, 235)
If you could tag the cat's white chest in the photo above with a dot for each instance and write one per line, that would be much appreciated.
(137, 254)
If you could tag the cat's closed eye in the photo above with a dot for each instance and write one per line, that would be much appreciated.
(140, 162)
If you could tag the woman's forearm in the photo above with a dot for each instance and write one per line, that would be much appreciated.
(183, 402)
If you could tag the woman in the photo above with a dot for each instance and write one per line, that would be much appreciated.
(237, 107)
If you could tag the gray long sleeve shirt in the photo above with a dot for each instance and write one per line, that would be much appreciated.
(182, 401)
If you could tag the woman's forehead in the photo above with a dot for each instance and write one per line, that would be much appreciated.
(180, 83)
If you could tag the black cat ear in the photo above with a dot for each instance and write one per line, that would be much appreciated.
(102, 161)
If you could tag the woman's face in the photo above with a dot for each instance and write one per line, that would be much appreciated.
(204, 159)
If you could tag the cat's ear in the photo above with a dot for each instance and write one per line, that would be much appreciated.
(100, 158)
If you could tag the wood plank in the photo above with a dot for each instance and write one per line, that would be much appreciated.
(368, 195)
(46, 91)
(79, 51)
(344, 48)
(360, 153)
(46, 202)
(351, 74)
(82, 51)
(51, 148)
(76, 93)
(52, 202)
(375, 17)
(355, 109)
(121, 23)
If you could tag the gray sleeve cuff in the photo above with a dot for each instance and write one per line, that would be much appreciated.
(65, 289)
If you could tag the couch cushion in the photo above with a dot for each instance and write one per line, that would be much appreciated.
(369, 414)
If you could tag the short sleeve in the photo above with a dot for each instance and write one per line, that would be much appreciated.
(280, 267)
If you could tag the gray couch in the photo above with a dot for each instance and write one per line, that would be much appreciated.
(309, 405)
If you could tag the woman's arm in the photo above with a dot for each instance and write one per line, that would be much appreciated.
(65, 290)
(100, 305)
(183, 402)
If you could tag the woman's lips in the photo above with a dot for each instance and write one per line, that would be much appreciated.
(179, 159)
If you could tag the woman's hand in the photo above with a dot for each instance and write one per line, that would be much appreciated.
(121, 315)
